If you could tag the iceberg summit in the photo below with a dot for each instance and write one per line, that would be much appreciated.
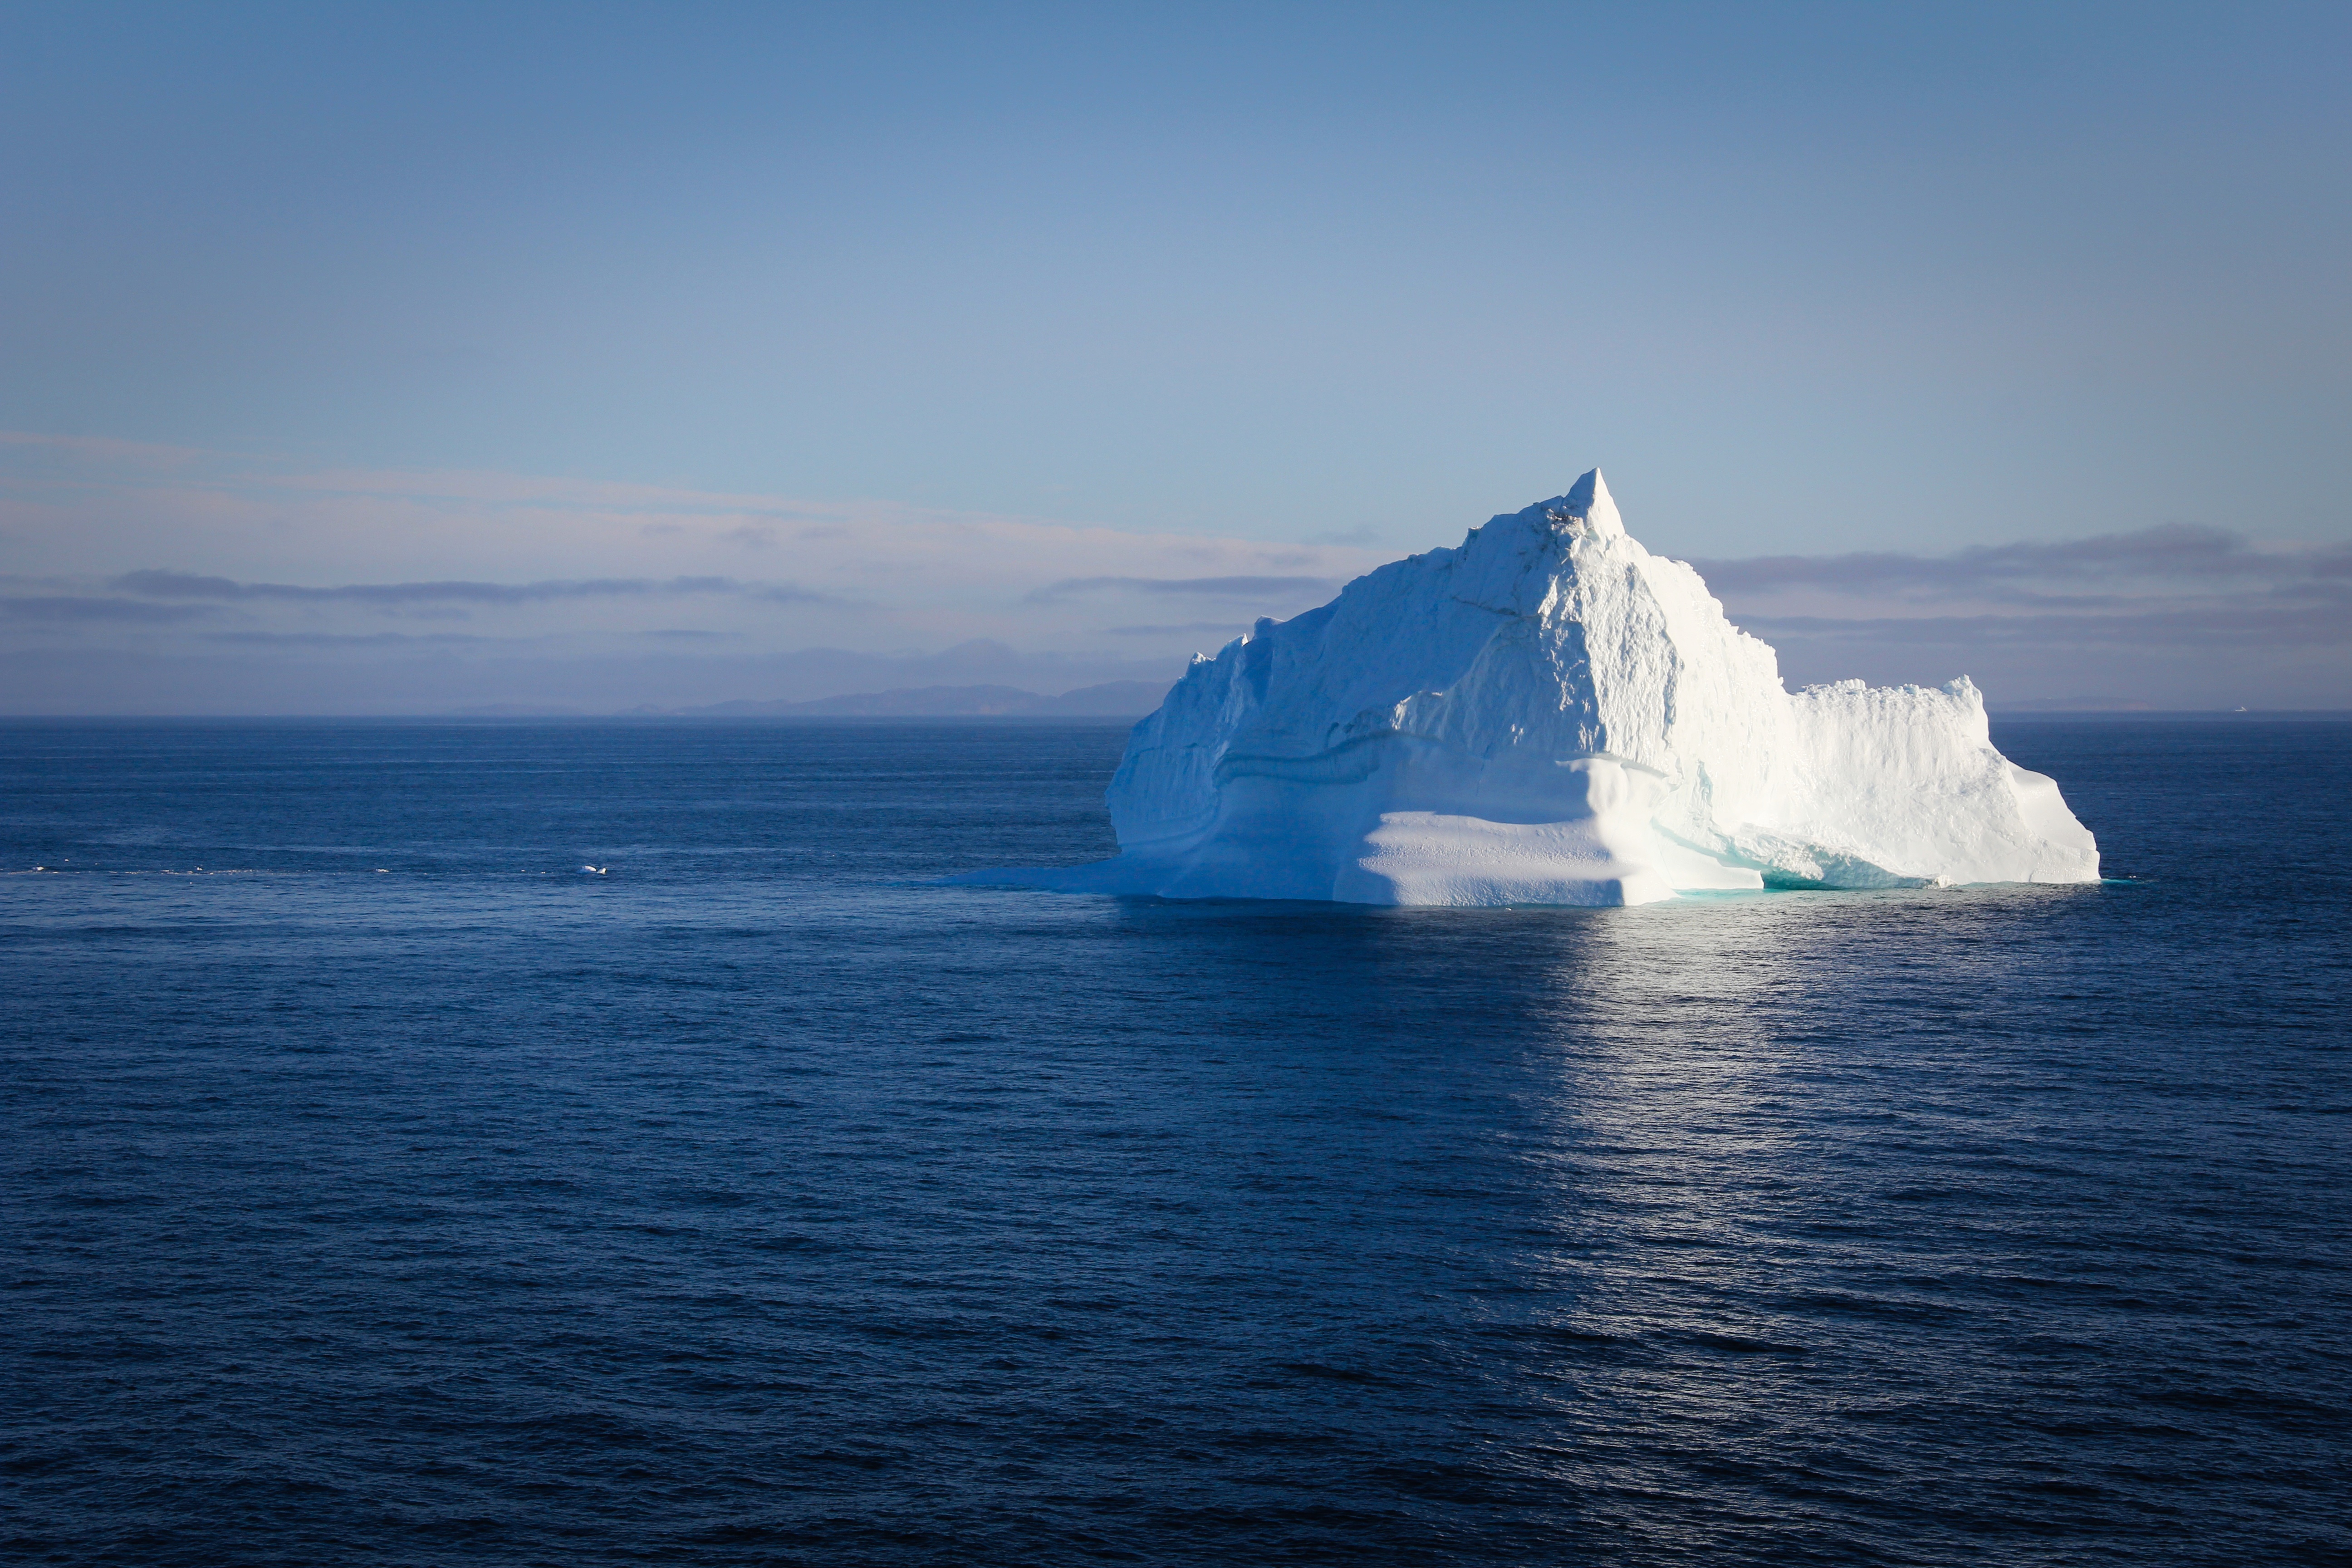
(1551, 714)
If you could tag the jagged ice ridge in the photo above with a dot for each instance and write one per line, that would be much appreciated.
(1549, 714)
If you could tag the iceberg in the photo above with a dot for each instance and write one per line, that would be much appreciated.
(1551, 714)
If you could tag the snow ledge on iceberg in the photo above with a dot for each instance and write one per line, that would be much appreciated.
(1549, 714)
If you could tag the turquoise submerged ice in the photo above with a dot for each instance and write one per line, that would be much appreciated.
(1551, 714)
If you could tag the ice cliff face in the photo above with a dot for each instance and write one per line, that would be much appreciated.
(1549, 714)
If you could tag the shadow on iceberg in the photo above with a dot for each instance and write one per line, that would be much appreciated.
(1549, 714)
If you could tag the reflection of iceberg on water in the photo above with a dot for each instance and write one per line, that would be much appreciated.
(1551, 714)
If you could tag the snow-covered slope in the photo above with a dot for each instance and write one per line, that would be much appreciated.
(1551, 714)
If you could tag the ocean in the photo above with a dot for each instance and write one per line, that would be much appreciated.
(382, 1186)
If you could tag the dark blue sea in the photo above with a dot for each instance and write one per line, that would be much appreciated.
(382, 1187)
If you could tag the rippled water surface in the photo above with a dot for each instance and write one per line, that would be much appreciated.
(394, 1190)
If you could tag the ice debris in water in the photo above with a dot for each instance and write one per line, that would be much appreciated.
(1551, 714)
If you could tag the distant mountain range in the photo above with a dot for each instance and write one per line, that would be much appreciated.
(1112, 700)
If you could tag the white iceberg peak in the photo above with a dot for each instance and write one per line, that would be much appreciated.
(1587, 502)
(1548, 713)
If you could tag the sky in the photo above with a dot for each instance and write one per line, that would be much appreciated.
(417, 358)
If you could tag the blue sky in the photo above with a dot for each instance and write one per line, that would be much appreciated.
(1281, 291)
